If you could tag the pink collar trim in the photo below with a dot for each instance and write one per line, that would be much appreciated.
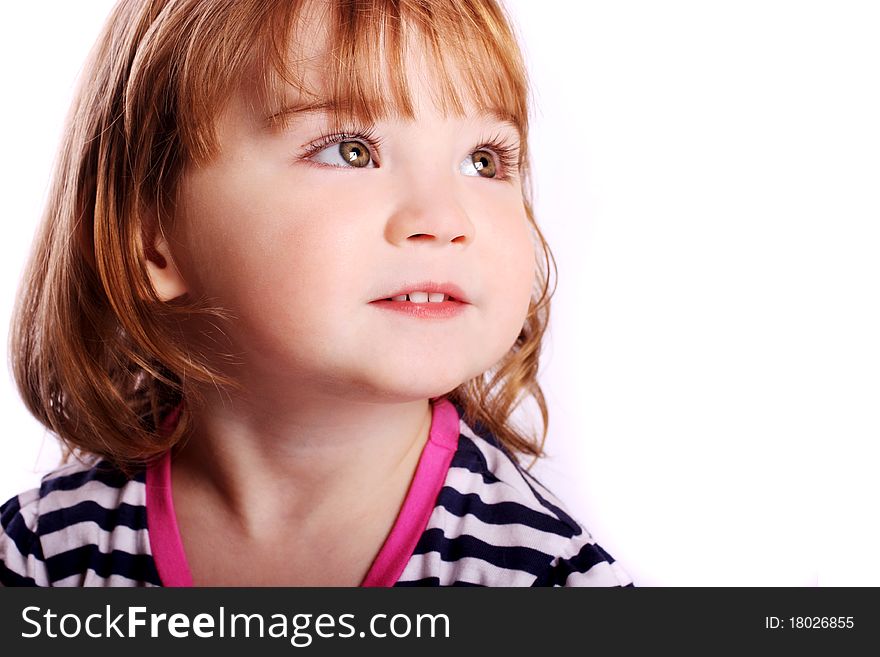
(167, 545)
(165, 538)
(420, 499)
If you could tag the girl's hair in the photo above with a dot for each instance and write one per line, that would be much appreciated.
(97, 356)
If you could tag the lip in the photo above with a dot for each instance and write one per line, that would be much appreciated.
(449, 289)
(428, 310)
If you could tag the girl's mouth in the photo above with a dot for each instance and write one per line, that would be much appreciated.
(426, 292)
(423, 297)
(413, 306)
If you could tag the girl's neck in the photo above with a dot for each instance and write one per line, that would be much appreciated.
(299, 462)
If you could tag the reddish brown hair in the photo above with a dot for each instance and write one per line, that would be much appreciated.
(94, 351)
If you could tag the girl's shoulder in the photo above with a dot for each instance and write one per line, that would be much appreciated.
(505, 528)
(84, 525)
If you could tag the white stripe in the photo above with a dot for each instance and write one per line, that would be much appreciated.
(506, 535)
(477, 571)
(91, 578)
(466, 482)
(622, 576)
(420, 566)
(26, 567)
(601, 574)
(467, 569)
(26, 501)
(134, 493)
(133, 541)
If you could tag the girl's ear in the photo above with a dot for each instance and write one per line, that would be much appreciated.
(164, 274)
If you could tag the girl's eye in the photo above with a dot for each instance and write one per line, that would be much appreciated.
(479, 163)
(345, 154)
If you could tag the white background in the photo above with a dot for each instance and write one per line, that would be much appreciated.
(707, 176)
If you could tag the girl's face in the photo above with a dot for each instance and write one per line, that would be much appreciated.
(297, 238)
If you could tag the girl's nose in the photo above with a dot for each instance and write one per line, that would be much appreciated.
(430, 215)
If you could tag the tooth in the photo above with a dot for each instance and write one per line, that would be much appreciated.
(436, 297)
(418, 297)
(401, 297)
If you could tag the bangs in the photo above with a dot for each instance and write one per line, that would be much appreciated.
(473, 58)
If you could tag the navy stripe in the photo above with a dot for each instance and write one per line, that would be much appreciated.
(102, 471)
(138, 567)
(452, 549)
(433, 581)
(425, 581)
(500, 513)
(469, 457)
(590, 554)
(10, 508)
(12, 578)
(26, 542)
(125, 515)
(482, 467)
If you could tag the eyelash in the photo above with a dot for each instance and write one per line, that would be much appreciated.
(367, 136)
(507, 154)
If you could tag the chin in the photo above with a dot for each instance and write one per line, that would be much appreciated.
(417, 382)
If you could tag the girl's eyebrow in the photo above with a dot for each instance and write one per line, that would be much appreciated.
(286, 115)
(499, 116)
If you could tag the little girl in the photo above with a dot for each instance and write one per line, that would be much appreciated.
(287, 292)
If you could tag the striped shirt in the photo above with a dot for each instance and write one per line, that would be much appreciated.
(471, 517)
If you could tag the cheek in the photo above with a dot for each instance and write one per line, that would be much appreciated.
(521, 253)
(266, 240)
(513, 275)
